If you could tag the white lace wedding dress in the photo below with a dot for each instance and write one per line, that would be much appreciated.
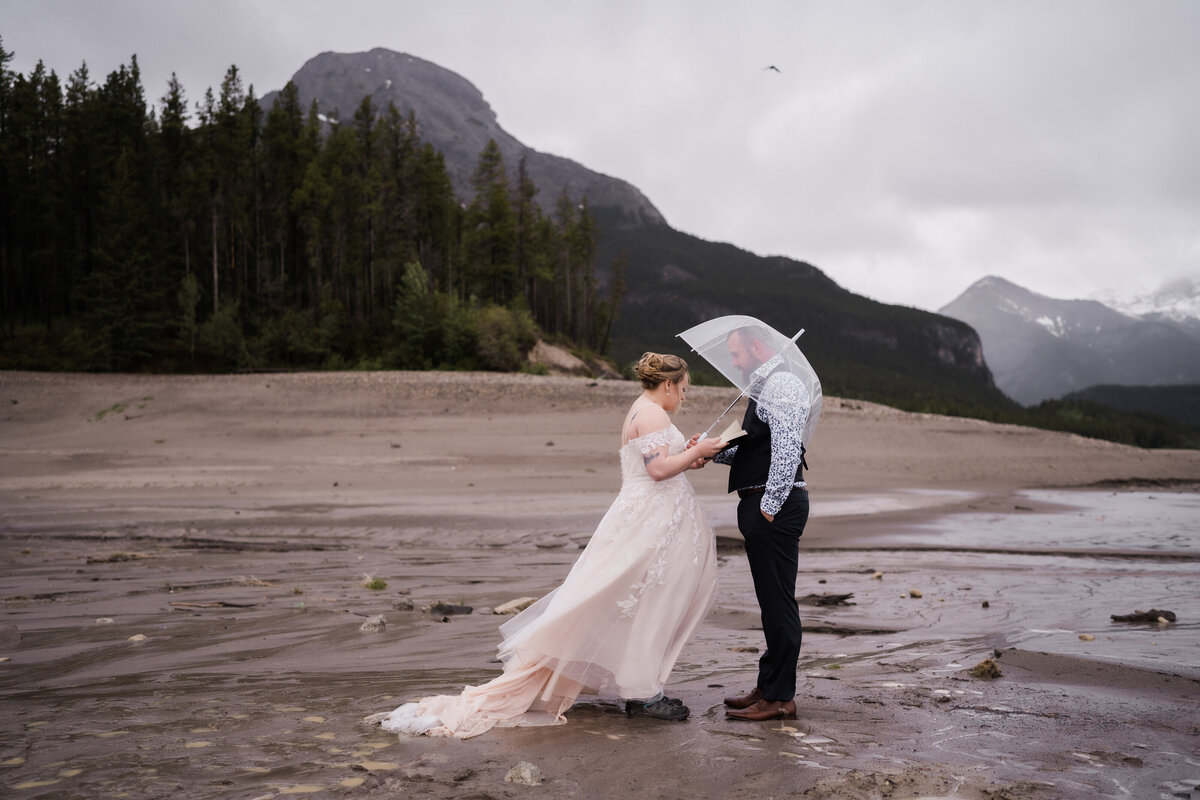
(614, 627)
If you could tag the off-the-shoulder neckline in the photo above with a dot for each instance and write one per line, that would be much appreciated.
(670, 425)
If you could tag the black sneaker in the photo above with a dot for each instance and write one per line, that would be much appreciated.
(663, 708)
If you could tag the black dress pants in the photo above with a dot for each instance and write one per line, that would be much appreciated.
(773, 550)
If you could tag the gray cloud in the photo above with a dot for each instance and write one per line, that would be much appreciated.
(905, 148)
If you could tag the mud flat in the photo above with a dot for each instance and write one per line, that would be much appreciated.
(185, 562)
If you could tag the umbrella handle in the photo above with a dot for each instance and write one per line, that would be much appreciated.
(726, 411)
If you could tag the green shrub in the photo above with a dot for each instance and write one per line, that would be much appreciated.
(503, 337)
(221, 335)
(290, 339)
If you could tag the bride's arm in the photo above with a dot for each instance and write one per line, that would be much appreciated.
(660, 464)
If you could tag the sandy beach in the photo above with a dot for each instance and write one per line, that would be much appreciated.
(185, 559)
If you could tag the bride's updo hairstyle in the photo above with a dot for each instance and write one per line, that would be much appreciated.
(655, 368)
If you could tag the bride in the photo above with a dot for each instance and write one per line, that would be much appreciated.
(617, 623)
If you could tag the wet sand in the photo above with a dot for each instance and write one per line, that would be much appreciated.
(184, 559)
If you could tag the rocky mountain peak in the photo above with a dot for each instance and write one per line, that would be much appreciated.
(454, 117)
(1040, 347)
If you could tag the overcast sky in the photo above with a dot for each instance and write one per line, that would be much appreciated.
(905, 148)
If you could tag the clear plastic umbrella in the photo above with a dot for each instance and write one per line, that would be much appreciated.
(737, 359)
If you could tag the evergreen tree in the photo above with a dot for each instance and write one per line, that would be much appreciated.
(582, 242)
(564, 264)
(233, 143)
(414, 321)
(123, 316)
(32, 115)
(370, 204)
(81, 174)
(312, 201)
(175, 161)
(206, 189)
(438, 223)
(289, 147)
(188, 300)
(491, 230)
(393, 213)
(528, 216)
(340, 163)
(543, 291)
(616, 293)
(8, 188)
(252, 120)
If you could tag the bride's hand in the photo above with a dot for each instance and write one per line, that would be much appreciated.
(703, 450)
(707, 448)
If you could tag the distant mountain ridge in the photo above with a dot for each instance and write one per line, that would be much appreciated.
(452, 114)
(860, 347)
(1176, 302)
(1040, 347)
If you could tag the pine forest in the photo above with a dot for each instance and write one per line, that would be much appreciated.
(214, 234)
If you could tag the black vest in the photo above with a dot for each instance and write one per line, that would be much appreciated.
(752, 461)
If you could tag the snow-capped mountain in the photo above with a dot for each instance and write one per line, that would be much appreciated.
(1176, 302)
(1041, 347)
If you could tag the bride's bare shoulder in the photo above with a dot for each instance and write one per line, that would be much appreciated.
(648, 419)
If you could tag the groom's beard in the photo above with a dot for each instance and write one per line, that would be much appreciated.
(748, 371)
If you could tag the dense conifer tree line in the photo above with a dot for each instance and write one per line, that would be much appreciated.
(215, 234)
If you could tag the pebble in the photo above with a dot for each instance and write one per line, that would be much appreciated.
(442, 607)
(515, 606)
(373, 624)
(524, 773)
(915, 593)
(1087, 637)
(986, 669)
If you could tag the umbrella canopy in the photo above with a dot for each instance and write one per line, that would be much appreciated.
(740, 360)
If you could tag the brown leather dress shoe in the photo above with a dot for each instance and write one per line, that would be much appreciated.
(765, 710)
(746, 700)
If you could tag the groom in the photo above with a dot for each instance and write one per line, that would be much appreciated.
(766, 470)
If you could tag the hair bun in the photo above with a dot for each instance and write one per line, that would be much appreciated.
(655, 368)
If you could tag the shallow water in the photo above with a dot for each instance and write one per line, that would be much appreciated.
(722, 508)
(1051, 577)
(1116, 522)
